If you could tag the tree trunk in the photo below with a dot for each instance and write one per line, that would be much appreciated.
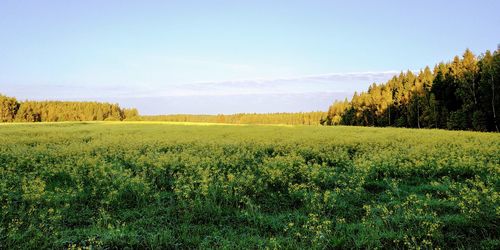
(493, 101)
(435, 114)
(389, 114)
(474, 91)
(418, 113)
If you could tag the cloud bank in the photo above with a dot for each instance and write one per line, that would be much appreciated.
(287, 94)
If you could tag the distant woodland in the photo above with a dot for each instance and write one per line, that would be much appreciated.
(300, 118)
(12, 110)
(461, 95)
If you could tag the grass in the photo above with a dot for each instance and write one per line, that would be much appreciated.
(167, 185)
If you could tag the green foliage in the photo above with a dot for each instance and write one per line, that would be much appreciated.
(153, 185)
(8, 108)
(479, 121)
(131, 114)
(56, 111)
(462, 94)
(457, 120)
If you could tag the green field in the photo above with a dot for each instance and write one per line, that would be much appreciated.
(163, 185)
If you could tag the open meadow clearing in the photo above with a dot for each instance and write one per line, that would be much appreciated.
(166, 185)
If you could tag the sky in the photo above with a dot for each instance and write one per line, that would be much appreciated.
(211, 57)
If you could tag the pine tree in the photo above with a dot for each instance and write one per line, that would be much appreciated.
(8, 108)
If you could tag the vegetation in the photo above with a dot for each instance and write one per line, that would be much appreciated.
(158, 185)
(300, 118)
(463, 94)
(53, 111)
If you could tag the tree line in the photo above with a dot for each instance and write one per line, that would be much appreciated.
(461, 95)
(12, 110)
(299, 118)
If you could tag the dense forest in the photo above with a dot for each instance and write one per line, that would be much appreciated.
(53, 111)
(300, 118)
(461, 95)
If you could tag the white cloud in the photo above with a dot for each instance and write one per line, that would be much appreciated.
(298, 93)
(334, 82)
(382, 75)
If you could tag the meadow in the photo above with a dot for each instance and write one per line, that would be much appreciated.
(155, 185)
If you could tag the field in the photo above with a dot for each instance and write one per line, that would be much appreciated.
(163, 185)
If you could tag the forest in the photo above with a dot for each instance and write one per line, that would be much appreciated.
(459, 95)
(54, 111)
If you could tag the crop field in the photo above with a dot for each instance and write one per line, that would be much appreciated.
(154, 185)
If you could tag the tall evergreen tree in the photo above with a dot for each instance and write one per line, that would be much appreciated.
(8, 108)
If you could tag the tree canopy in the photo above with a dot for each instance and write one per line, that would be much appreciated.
(54, 111)
(462, 94)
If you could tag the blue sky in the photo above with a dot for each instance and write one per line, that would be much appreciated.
(228, 56)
